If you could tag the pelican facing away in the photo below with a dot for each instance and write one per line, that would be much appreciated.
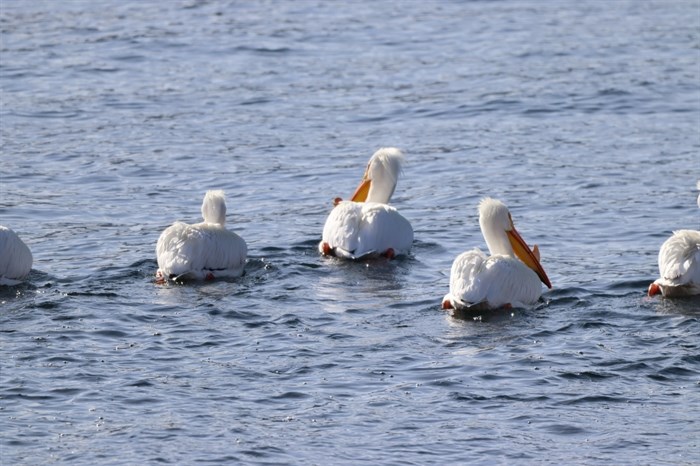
(366, 226)
(15, 258)
(679, 265)
(204, 250)
(510, 277)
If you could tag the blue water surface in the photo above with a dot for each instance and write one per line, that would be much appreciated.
(116, 117)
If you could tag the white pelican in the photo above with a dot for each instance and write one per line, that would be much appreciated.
(15, 258)
(679, 265)
(365, 225)
(204, 250)
(501, 280)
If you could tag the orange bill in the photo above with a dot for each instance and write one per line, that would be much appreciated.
(362, 191)
(527, 256)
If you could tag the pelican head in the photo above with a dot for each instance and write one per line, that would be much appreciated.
(380, 177)
(502, 237)
(214, 207)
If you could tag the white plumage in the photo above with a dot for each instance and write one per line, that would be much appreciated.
(366, 225)
(478, 281)
(359, 229)
(204, 250)
(679, 265)
(15, 258)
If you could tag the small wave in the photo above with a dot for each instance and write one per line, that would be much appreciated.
(639, 285)
(591, 376)
(506, 398)
(134, 58)
(105, 294)
(140, 383)
(51, 114)
(565, 429)
(613, 92)
(262, 50)
(291, 396)
(595, 399)
(257, 101)
(676, 371)
(112, 334)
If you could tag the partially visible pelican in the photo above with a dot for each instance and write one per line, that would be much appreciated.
(501, 280)
(679, 265)
(204, 250)
(15, 258)
(366, 225)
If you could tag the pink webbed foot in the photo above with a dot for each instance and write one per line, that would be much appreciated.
(327, 250)
(389, 253)
(654, 289)
(446, 304)
(160, 279)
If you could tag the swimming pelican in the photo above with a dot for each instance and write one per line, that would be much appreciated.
(15, 258)
(679, 265)
(502, 280)
(366, 225)
(204, 250)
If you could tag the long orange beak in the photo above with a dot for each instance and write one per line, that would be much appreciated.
(362, 191)
(524, 253)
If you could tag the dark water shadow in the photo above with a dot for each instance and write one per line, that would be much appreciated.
(36, 280)
(482, 314)
(688, 306)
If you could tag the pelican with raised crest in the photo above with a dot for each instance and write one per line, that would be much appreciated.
(366, 226)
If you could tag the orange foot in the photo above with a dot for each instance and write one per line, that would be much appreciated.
(389, 253)
(654, 289)
(446, 304)
(327, 249)
(160, 279)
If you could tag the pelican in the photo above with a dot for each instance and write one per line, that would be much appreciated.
(679, 266)
(204, 250)
(366, 226)
(15, 258)
(502, 280)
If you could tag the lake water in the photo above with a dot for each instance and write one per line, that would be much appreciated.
(116, 117)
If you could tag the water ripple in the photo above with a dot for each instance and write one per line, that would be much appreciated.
(117, 117)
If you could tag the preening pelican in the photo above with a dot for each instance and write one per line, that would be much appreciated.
(15, 258)
(365, 225)
(501, 280)
(204, 250)
(679, 265)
